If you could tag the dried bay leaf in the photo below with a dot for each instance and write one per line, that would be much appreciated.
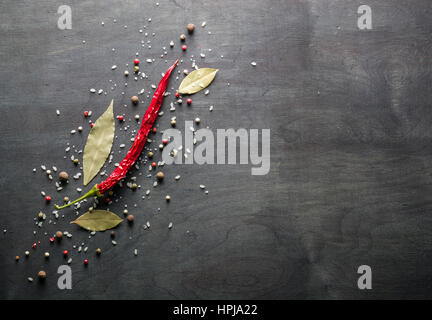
(99, 143)
(98, 220)
(197, 80)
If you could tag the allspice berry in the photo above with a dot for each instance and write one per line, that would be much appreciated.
(182, 37)
(135, 100)
(160, 175)
(190, 27)
(63, 176)
(98, 251)
(112, 234)
(136, 69)
(134, 186)
(66, 199)
(40, 215)
(42, 275)
(16, 258)
(130, 217)
(150, 154)
(59, 235)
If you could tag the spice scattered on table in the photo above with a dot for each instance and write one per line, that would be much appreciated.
(63, 176)
(89, 220)
(41, 275)
(134, 99)
(190, 27)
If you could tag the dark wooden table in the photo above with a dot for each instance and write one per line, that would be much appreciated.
(350, 182)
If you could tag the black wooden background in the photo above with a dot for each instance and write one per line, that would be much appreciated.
(351, 154)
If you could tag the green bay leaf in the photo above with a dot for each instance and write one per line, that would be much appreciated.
(197, 80)
(98, 220)
(99, 143)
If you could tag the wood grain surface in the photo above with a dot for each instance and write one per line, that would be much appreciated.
(350, 181)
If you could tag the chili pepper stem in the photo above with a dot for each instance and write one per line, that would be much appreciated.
(94, 192)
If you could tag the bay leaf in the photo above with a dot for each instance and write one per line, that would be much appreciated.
(197, 80)
(98, 220)
(99, 143)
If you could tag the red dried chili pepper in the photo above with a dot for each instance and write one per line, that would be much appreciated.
(149, 118)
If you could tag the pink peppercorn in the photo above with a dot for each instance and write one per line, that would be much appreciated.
(65, 253)
(121, 118)
(85, 262)
(189, 101)
(47, 198)
(86, 113)
(184, 47)
(136, 62)
(177, 95)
